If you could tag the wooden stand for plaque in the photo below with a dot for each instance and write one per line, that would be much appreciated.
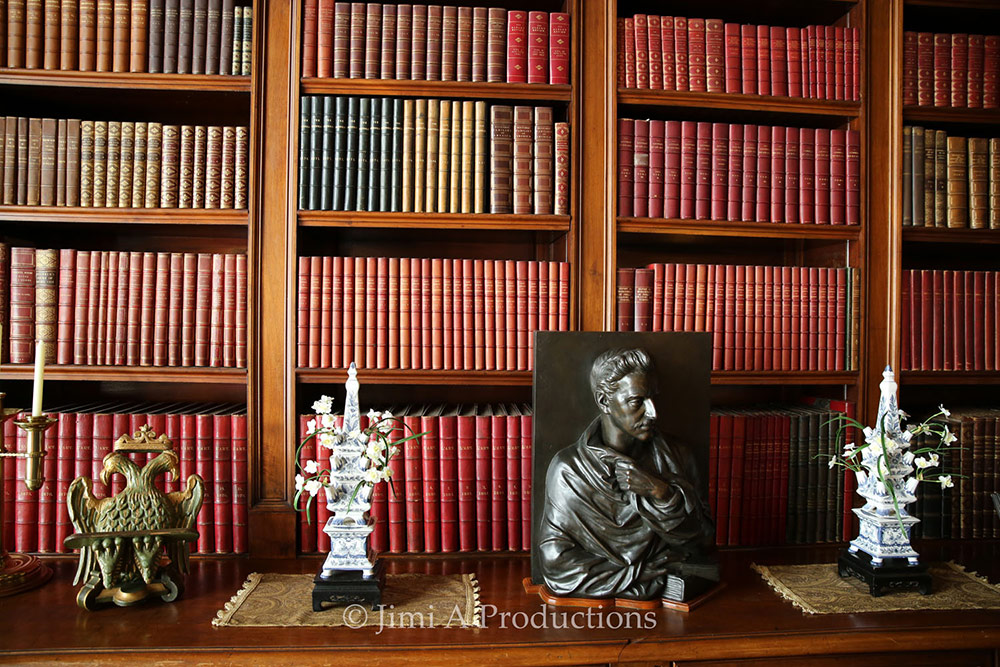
(548, 597)
(349, 587)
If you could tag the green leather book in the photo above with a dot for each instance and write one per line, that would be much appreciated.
(305, 116)
(385, 175)
(351, 155)
(364, 156)
(339, 153)
(326, 156)
(374, 153)
(396, 191)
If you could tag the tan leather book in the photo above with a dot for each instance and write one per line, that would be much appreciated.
(139, 166)
(87, 163)
(958, 182)
(126, 166)
(154, 164)
(114, 154)
(185, 182)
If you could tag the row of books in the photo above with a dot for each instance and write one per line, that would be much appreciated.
(963, 511)
(769, 476)
(171, 36)
(431, 156)
(209, 440)
(125, 308)
(950, 181)
(951, 70)
(373, 40)
(949, 320)
(123, 164)
(450, 314)
(465, 485)
(762, 318)
(727, 171)
(709, 55)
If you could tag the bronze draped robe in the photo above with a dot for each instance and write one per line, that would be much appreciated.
(597, 540)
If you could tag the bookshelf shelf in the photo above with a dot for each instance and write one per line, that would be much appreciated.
(951, 115)
(945, 235)
(129, 374)
(954, 4)
(121, 216)
(951, 377)
(679, 227)
(127, 80)
(392, 87)
(801, 378)
(742, 103)
(418, 377)
(559, 223)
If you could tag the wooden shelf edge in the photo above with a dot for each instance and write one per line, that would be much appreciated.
(559, 223)
(191, 82)
(951, 115)
(784, 377)
(129, 374)
(417, 377)
(140, 216)
(753, 103)
(950, 377)
(955, 4)
(681, 227)
(945, 235)
(480, 90)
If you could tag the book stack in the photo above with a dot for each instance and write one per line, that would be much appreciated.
(435, 43)
(420, 313)
(465, 485)
(708, 55)
(963, 511)
(169, 36)
(949, 320)
(769, 478)
(950, 181)
(762, 318)
(728, 171)
(431, 156)
(125, 308)
(951, 70)
(123, 164)
(209, 440)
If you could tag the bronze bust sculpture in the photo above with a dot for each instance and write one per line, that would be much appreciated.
(622, 516)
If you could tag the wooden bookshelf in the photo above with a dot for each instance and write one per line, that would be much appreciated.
(537, 92)
(125, 80)
(418, 377)
(557, 223)
(124, 216)
(141, 374)
(739, 103)
(945, 235)
(681, 227)
(972, 117)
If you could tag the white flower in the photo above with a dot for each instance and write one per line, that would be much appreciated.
(374, 416)
(832, 462)
(323, 405)
(311, 467)
(386, 415)
(946, 482)
(393, 451)
(386, 424)
(311, 427)
(328, 440)
(907, 435)
(385, 474)
(372, 475)
(375, 451)
(313, 486)
(300, 482)
(948, 437)
(907, 457)
(922, 462)
(901, 414)
(943, 410)
(911, 484)
(848, 448)
(328, 421)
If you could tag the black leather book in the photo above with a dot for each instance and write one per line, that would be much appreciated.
(339, 152)
(154, 42)
(385, 179)
(171, 25)
(326, 157)
(305, 116)
(397, 155)
(226, 38)
(351, 155)
(315, 152)
(374, 154)
(364, 141)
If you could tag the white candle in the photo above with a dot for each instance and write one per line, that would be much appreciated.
(36, 397)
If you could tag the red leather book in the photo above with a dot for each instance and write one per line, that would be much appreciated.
(811, 304)
(483, 477)
(688, 168)
(991, 71)
(102, 437)
(430, 478)
(215, 338)
(669, 65)
(733, 58)
(371, 306)
(938, 319)
(240, 492)
(63, 460)
(489, 309)
(463, 45)
(46, 500)
(307, 530)
(641, 45)
(942, 69)
(620, 52)
(827, 322)
(959, 70)
(748, 201)
(203, 306)
(379, 338)
(807, 175)
(629, 49)
(22, 305)
(358, 35)
(396, 493)
(132, 304)
(625, 299)
(517, 46)
(479, 37)
(736, 477)
(748, 64)
(447, 314)
(447, 425)
(394, 303)
(533, 311)
(559, 48)
(974, 88)
(189, 301)
(25, 504)
(307, 313)
(822, 176)
(360, 308)
(642, 314)
(498, 479)
(669, 294)
(538, 47)
(990, 323)
(205, 467)
(67, 290)
(835, 55)
(724, 462)
(313, 24)
(779, 61)
(925, 69)
(905, 326)
(9, 486)
(334, 40)
(743, 316)
(923, 345)
(799, 339)
(763, 196)
(681, 59)
(174, 309)
(728, 279)
(462, 313)
(783, 296)
(510, 314)
(838, 177)
(951, 309)
(715, 311)
(373, 40)
(824, 62)
(839, 361)
(672, 170)
(763, 40)
(811, 68)
(626, 157)
(222, 481)
(697, 73)
(713, 463)
(793, 49)
(640, 169)
(449, 43)
(777, 174)
(496, 45)
(524, 412)
(654, 51)
(719, 171)
(772, 319)
(432, 70)
(387, 59)
(963, 316)
(413, 464)
(977, 351)
(404, 38)
(522, 314)
(499, 315)
(657, 132)
(696, 293)
(715, 65)
(753, 318)
(425, 312)
(466, 459)
(791, 175)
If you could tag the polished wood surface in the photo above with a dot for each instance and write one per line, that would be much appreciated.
(560, 223)
(144, 81)
(735, 228)
(745, 620)
(755, 103)
(483, 91)
(130, 373)
(124, 216)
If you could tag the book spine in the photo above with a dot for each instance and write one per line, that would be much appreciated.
(213, 28)
(387, 66)
(562, 175)
(538, 47)
(517, 51)
(523, 161)
(15, 28)
(371, 47)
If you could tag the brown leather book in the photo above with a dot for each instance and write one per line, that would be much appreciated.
(562, 167)
(189, 284)
(69, 30)
(480, 30)
(199, 36)
(51, 40)
(449, 43)
(34, 29)
(418, 43)
(87, 163)
(175, 309)
(3, 33)
(979, 183)
(333, 39)
(10, 161)
(104, 23)
(502, 155)
(154, 39)
(958, 182)
(523, 161)
(87, 17)
(21, 180)
(154, 159)
(47, 176)
(114, 154)
(228, 174)
(496, 45)
(121, 36)
(213, 171)
(543, 152)
(171, 24)
(433, 56)
(126, 165)
(213, 27)
(138, 197)
(200, 166)
(404, 32)
(34, 173)
(16, 10)
(993, 167)
(185, 35)
(60, 185)
(463, 45)
(228, 22)
(242, 167)
(373, 40)
(73, 162)
(387, 66)
(185, 183)
(169, 166)
(246, 43)
(138, 37)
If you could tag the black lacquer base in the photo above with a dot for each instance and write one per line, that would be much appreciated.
(891, 576)
(349, 587)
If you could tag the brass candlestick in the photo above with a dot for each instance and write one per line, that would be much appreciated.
(21, 572)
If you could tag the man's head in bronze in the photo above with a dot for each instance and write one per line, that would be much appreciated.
(624, 384)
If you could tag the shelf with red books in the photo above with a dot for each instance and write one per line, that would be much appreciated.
(798, 378)
(678, 227)
(954, 115)
(418, 377)
(124, 216)
(946, 235)
(950, 377)
(449, 89)
(125, 80)
(191, 375)
(559, 223)
(743, 103)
